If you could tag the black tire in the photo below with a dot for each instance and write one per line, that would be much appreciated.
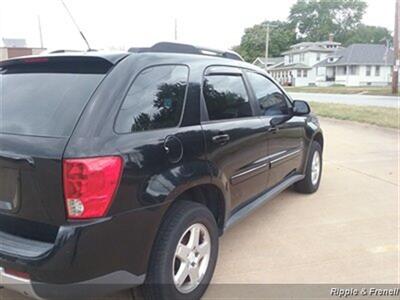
(306, 185)
(159, 279)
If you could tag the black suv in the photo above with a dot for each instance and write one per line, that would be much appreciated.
(119, 170)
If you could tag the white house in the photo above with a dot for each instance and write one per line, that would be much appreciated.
(297, 68)
(357, 65)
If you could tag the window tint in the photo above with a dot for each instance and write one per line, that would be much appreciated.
(155, 100)
(226, 97)
(44, 104)
(269, 96)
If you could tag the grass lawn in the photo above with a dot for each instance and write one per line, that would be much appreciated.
(381, 116)
(365, 90)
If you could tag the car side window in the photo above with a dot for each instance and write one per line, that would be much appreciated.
(270, 98)
(155, 99)
(226, 97)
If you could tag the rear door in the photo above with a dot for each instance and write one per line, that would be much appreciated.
(286, 140)
(41, 100)
(235, 140)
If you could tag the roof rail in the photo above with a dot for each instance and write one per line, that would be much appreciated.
(168, 47)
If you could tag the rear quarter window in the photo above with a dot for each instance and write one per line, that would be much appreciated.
(155, 100)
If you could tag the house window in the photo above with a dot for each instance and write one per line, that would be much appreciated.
(341, 70)
(353, 70)
(368, 73)
(298, 73)
(305, 73)
(318, 56)
(302, 56)
(377, 71)
(291, 58)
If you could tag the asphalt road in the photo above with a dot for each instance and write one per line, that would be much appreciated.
(359, 100)
(346, 233)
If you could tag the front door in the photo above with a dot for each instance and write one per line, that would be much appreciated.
(235, 138)
(285, 141)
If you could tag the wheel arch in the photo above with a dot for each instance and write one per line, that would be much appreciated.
(313, 133)
(319, 138)
(209, 195)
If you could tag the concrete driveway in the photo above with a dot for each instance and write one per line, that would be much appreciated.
(346, 233)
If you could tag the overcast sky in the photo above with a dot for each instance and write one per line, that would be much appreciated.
(125, 23)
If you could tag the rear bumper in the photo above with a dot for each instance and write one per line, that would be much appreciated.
(99, 256)
(95, 287)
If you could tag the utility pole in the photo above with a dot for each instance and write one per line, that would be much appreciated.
(396, 41)
(267, 44)
(266, 48)
(40, 32)
(176, 29)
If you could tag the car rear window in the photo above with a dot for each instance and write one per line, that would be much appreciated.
(44, 102)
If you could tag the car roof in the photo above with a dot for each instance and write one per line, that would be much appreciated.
(115, 57)
(184, 58)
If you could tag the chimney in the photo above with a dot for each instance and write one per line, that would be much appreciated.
(331, 36)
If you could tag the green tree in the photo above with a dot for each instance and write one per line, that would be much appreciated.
(316, 19)
(253, 41)
(313, 20)
(368, 34)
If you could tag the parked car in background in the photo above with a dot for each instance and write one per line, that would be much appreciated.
(118, 170)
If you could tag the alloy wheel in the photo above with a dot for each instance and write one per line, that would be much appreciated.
(191, 259)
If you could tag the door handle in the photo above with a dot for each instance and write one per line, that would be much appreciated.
(273, 129)
(221, 139)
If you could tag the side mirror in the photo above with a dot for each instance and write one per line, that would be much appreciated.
(301, 108)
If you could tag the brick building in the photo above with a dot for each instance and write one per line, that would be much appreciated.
(10, 48)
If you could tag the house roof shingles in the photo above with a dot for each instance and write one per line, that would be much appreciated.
(290, 67)
(271, 60)
(361, 54)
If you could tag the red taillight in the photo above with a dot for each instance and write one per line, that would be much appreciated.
(89, 185)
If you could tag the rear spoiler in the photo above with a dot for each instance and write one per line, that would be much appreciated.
(60, 64)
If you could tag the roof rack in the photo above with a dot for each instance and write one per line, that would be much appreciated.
(168, 47)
